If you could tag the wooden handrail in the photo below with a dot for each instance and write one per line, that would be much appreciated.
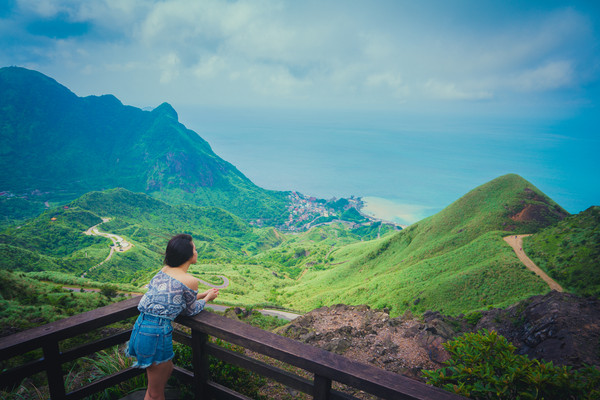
(327, 367)
(28, 340)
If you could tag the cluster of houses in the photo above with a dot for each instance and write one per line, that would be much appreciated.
(303, 210)
(306, 210)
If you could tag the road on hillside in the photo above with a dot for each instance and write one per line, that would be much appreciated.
(288, 316)
(221, 286)
(119, 244)
(516, 242)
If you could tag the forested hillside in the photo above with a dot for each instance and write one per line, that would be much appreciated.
(55, 239)
(454, 261)
(97, 143)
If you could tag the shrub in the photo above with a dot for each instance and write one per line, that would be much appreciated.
(483, 365)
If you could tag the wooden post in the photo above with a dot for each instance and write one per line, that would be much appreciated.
(322, 388)
(56, 383)
(200, 362)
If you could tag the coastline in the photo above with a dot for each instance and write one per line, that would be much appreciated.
(393, 211)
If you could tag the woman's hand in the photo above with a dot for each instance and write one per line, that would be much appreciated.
(209, 295)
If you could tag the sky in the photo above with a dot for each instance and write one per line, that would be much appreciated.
(411, 103)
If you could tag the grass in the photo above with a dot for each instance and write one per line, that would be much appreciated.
(459, 281)
(570, 251)
(454, 262)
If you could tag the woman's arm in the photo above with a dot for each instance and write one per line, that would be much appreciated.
(209, 295)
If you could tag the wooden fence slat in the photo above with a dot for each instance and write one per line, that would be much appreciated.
(105, 383)
(325, 366)
(28, 340)
(93, 347)
(224, 393)
(286, 378)
(56, 383)
(183, 374)
(322, 388)
(371, 379)
(200, 363)
(14, 376)
(182, 337)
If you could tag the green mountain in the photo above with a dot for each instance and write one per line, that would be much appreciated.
(570, 251)
(41, 302)
(455, 261)
(55, 240)
(56, 146)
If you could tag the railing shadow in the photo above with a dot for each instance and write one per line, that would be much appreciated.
(325, 366)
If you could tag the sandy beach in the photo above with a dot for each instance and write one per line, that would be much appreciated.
(394, 211)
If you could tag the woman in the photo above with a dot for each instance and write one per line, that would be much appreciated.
(172, 291)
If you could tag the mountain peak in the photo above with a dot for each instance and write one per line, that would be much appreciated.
(39, 88)
(167, 110)
(96, 142)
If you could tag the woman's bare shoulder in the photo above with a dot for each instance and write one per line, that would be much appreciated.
(183, 277)
(190, 281)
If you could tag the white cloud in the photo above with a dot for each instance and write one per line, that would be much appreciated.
(170, 67)
(317, 53)
(553, 75)
(388, 81)
(43, 8)
(451, 91)
(210, 67)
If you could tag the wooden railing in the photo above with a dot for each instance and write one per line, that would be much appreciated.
(327, 367)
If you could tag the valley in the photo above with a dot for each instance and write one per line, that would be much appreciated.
(452, 267)
(497, 254)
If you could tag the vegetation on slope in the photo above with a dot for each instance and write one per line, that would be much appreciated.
(41, 302)
(55, 240)
(483, 365)
(95, 143)
(570, 251)
(454, 261)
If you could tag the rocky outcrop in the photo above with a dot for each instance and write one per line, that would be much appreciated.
(557, 327)
(402, 345)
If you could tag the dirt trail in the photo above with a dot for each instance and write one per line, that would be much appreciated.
(516, 242)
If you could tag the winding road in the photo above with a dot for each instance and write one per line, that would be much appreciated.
(119, 244)
(221, 286)
(516, 242)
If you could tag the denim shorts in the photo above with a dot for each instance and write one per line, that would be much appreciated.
(151, 341)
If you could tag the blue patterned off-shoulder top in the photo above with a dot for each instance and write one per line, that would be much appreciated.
(167, 298)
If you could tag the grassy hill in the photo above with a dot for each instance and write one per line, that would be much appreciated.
(41, 302)
(570, 251)
(55, 239)
(96, 143)
(454, 261)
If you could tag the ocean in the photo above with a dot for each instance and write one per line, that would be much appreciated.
(406, 168)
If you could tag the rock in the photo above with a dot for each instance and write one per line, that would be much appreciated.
(370, 336)
(558, 327)
(231, 313)
(338, 346)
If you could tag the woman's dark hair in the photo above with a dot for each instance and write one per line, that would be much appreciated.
(179, 250)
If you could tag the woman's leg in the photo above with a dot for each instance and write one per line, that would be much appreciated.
(158, 375)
